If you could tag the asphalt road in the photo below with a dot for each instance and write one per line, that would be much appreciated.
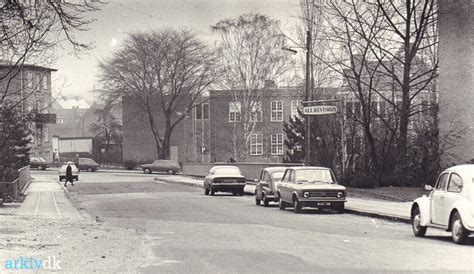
(194, 233)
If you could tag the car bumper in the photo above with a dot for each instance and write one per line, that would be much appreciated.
(227, 187)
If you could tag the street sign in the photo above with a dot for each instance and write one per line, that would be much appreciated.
(319, 110)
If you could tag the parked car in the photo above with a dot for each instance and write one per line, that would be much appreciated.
(39, 163)
(267, 185)
(168, 166)
(449, 206)
(310, 187)
(87, 164)
(224, 179)
(75, 171)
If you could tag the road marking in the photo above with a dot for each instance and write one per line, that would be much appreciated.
(55, 204)
(37, 203)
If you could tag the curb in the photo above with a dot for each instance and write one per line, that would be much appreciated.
(73, 202)
(393, 218)
(197, 185)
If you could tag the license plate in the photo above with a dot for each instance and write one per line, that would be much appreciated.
(323, 204)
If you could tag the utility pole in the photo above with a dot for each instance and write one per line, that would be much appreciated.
(307, 98)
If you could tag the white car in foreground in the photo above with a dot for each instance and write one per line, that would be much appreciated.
(75, 171)
(449, 206)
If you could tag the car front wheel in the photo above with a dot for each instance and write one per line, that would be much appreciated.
(459, 232)
(265, 200)
(257, 200)
(147, 171)
(281, 204)
(297, 206)
(418, 229)
(90, 169)
(206, 191)
(211, 191)
(171, 172)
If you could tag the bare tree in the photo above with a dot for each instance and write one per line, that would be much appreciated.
(30, 30)
(107, 126)
(165, 72)
(249, 52)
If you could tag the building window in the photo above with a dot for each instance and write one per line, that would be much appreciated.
(44, 82)
(277, 111)
(38, 81)
(256, 114)
(29, 79)
(277, 144)
(256, 144)
(295, 105)
(202, 112)
(234, 111)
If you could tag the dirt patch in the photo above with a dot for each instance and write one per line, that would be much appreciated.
(80, 246)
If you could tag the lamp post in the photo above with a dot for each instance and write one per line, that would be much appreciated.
(307, 155)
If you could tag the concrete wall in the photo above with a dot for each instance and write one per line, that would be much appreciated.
(456, 93)
(75, 145)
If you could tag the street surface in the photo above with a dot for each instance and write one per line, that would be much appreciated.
(193, 233)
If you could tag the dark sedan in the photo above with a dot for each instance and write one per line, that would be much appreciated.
(224, 179)
(266, 187)
(39, 163)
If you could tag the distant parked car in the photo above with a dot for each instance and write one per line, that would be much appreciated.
(168, 166)
(75, 171)
(449, 206)
(224, 179)
(39, 162)
(87, 164)
(310, 187)
(267, 185)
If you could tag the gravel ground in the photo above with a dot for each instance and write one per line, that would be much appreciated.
(80, 246)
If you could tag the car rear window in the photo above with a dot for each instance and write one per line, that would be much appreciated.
(277, 175)
(232, 171)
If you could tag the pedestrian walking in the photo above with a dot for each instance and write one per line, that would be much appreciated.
(69, 177)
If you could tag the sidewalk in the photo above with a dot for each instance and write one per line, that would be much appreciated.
(396, 211)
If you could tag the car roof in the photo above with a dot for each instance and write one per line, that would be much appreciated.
(275, 168)
(308, 167)
(464, 169)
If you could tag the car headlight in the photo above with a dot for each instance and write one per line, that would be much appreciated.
(340, 195)
(306, 194)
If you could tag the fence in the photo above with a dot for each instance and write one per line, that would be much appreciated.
(251, 171)
(10, 191)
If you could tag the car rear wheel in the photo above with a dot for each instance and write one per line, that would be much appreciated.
(281, 204)
(257, 200)
(147, 171)
(459, 232)
(418, 229)
(297, 205)
(171, 172)
(265, 200)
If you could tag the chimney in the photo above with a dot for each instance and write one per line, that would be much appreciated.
(269, 84)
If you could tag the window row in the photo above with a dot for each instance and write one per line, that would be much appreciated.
(276, 110)
(36, 80)
(276, 144)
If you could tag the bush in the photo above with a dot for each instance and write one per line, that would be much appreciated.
(130, 164)
(359, 181)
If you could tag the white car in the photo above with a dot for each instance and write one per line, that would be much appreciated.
(224, 179)
(449, 206)
(75, 171)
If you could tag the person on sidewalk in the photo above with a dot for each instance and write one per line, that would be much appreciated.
(69, 177)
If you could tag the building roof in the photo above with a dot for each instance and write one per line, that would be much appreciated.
(73, 102)
(6, 64)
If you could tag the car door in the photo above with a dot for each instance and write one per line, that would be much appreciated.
(259, 185)
(283, 186)
(288, 185)
(438, 196)
(453, 194)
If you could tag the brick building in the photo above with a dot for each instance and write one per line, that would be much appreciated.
(30, 85)
(456, 96)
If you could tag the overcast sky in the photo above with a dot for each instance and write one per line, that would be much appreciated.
(120, 17)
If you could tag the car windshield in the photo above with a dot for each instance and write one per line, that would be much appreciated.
(227, 170)
(277, 175)
(314, 176)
